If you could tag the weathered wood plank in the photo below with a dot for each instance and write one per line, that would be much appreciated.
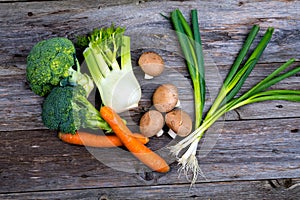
(257, 142)
(20, 108)
(244, 150)
(222, 34)
(147, 32)
(87, 3)
(266, 189)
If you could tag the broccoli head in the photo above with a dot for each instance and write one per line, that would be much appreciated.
(67, 109)
(50, 62)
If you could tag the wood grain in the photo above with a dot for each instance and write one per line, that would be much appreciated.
(253, 153)
(245, 150)
(284, 189)
(222, 34)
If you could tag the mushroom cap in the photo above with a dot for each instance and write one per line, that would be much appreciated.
(165, 97)
(179, 121)
(151, 123)
(151, 63)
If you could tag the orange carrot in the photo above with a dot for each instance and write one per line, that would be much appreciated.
(93, 140)
(139, 150)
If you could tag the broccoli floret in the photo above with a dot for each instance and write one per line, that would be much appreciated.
(67, 109)
(50, 63)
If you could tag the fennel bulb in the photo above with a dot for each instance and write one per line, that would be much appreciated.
(117, 84)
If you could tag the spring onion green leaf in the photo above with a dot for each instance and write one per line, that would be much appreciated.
(200, 59)
(227, 99)
(191, 46)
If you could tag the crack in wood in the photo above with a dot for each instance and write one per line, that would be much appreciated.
(281, 183)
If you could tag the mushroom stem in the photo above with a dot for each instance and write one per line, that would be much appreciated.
(147, 76)
(159, 133)
(172, 133)
(178, 104)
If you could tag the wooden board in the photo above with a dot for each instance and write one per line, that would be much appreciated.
(272, 189)
(252, 154)
(249, 150)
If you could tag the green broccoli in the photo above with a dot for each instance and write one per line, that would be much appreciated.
(50, 63)
(67, 109)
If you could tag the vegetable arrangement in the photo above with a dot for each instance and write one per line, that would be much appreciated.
(227, 98)
(53, 72)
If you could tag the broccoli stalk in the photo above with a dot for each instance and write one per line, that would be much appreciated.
(67, 109)
(50, 63)
(78, 78)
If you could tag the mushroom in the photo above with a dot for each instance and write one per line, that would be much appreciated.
(152, 64)
(165, 98)
(152, 123)
(179, 122)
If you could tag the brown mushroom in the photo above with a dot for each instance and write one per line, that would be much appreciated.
(152, 123)
(179, 122)
(152, 64)
(165, 98)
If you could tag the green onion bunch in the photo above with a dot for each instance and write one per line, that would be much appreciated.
(227, 98)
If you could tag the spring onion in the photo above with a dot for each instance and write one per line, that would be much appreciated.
(116, 82)
(191, 46)
(227, 99)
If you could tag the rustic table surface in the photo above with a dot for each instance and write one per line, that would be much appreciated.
(254, 152)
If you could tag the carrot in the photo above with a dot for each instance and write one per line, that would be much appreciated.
(93, 140)
(139, 150)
